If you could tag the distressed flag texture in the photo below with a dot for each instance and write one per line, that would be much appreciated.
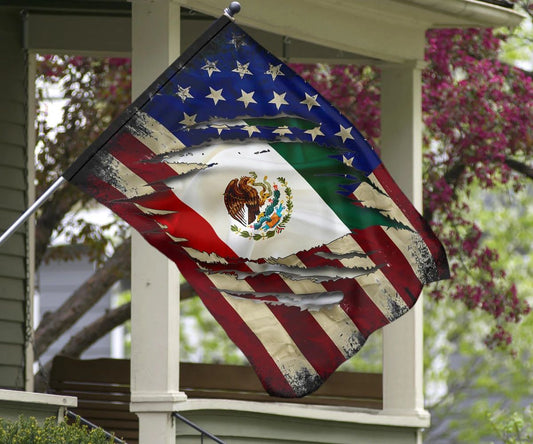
(273, 206)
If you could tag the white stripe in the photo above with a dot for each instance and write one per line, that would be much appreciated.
(346, 245)
(174, 238)
(316, 274)
(121, 177)
(158, 139)
(153, 211)
(340, 328)
(154, 135)
(410, 243)
(202, 256)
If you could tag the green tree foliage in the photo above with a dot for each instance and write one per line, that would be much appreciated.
(514, 429)
(95, 92)
(465, 381)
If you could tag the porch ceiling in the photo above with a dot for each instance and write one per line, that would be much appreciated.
(389, 30)
(350, 31)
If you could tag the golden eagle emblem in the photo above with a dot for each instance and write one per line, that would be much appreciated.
(241, 194)
(258, 206)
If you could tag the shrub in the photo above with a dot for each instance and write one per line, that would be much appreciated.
(28, 431)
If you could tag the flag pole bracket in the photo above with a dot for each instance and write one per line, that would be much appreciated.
(232, 9)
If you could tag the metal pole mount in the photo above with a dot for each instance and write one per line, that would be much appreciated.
(232, 9)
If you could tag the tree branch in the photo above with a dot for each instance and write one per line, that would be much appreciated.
(89, 293)
(82, 340)
(451, 177)
(86, 337)
(454, 173)
(51, 214)
(519, 167)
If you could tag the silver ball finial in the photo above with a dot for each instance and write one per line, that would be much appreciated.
(232, 9)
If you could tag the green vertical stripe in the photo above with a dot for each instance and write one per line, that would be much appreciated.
(327, 175)
(318, 169)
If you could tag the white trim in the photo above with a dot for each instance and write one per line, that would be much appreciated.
(474, 12)
(37, 398)
(326, 413)
(30, 193)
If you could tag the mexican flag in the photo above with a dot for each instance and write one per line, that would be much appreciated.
(272, 205)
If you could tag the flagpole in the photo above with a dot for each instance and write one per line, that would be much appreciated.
(32, 209)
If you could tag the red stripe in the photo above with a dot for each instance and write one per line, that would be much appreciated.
(417, 221)
(268, 372)
(358, 306)
(185, 223)
(140, 159)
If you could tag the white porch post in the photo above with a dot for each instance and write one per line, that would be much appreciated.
(401, 140)
(155, 279)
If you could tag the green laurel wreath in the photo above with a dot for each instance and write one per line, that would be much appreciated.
(279, 227)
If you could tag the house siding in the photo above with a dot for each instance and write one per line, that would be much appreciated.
(55, 283)
(14, 273)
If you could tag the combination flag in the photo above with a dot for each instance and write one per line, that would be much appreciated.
(273, 206)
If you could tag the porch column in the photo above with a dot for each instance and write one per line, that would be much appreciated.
(155, 279)
(401, 141)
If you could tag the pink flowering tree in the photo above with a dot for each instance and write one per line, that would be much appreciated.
(477, 132)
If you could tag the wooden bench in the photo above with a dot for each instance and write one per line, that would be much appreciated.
(103, 389)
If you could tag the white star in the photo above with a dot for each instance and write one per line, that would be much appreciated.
(216, 95)
(314, 132)
(348, 161)
(282, 130)
(250, 129)
(220, 127)
(274, 71)
(237, 40)
(189, 120)
(210, 67)
(242, 69)
(246, 98)
(183, 93)
(279, 99)
(344, 133)
(310, 101)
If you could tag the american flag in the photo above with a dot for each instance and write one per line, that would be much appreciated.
(272, 205)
